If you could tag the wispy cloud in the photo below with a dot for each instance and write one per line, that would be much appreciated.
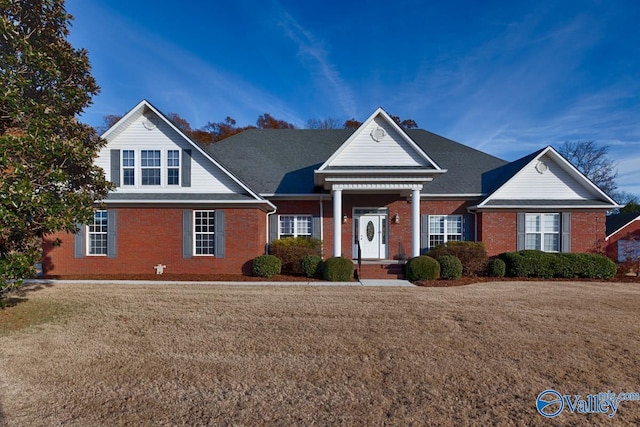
(314, 54)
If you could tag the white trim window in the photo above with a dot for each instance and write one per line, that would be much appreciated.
(444, 228)
(97, 234)
(204, 228)
(294, 226)
(150, 167)
(173, 167)
(542, 232)
(128, 167)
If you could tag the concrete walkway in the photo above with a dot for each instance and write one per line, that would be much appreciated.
(364, 282)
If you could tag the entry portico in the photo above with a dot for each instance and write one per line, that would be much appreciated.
(379, 158)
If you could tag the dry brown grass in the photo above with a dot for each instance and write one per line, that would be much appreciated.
(214, 355)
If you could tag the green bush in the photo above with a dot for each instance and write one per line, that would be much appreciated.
(291, 250)
(473, 256)
(422, 268)
(563, 265)
(266, 266)
(496, 268)
(310, 265)
(450, 267)
(337, 269)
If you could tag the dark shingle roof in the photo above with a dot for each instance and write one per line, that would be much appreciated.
(617, 221)
(547, 202)
(283, 160)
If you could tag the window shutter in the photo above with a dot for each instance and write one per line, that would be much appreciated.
(424, 233)
(565, 241)
(78, 242)
(185, 179)
(467, 227)
(219, 233)
(187, 233)
(115, 167)
(112, 233)
(273, 228)
(316, 229)
(520, 227)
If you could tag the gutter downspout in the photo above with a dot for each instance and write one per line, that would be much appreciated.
(321, 227)
(475, 224)
(266, 246)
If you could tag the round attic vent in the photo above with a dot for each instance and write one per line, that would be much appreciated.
(377, 134)
(542, 167)
(150, 122)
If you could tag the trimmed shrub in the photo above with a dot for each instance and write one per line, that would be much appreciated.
(422, 268)
(450, 267)
(473, 256)
(291, 250)
(266, 266)
(337, 269)
(310, 265)
(496, 268)
(564, 265)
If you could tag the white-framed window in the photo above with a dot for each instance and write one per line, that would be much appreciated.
(294, 226)
(150, 164)
(204, 228)
(542, 231)
(128, 167)
(444, 228)
(173, 167)
(97, 234)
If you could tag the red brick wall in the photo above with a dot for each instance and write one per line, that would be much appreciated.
(498, 231)
(149, 236)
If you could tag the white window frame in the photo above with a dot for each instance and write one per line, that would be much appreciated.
(98, 227)
(210, 217)
(446, 234)
(297, 222)
(151, 168)
(543, 231)
(173, 167)
(128, 167)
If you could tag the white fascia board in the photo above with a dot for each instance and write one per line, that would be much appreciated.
(542, 207)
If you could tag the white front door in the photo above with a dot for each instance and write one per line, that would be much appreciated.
(370, 236)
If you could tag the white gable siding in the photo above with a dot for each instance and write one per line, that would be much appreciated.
(392, 150)
(205, 176)
(554, 184)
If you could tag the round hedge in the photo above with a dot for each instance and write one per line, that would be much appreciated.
(266, 266)
(337, 269)
(310, 265)
(422, 268)
(450, 267)
(497, 268)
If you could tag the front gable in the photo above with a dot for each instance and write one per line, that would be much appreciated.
(546, 178)
(145, 139)
(378, 156)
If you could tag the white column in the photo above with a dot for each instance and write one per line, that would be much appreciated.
(415, 223)
(337, 222)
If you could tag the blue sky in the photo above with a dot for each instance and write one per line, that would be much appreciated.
(506, 77)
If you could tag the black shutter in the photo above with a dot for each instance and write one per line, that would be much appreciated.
(115, 167)
(521, 230)
(186, 168)
(467, 227)
(219, 233)
(187, 233)
(112, 233)
(565, 239)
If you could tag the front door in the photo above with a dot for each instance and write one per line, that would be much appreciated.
(370, 236)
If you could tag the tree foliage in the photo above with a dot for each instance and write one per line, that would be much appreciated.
(48, 180)
(593, 161)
